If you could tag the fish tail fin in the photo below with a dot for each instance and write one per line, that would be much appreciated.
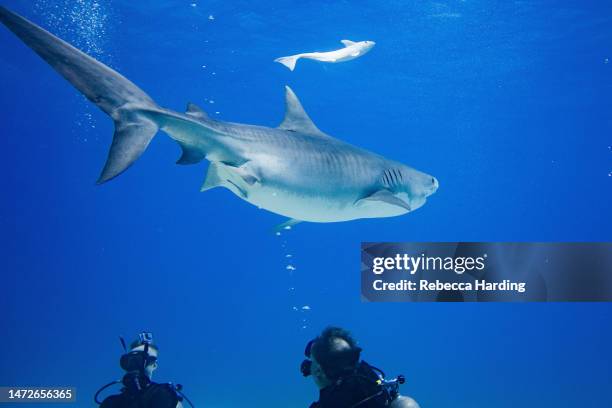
(289, 61)
(114, 94)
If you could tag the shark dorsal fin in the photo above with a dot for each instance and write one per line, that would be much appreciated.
(347, 43)
(296, 118)
(195, 111)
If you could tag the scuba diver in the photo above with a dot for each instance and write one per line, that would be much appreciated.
(333, 359)
(138, 390)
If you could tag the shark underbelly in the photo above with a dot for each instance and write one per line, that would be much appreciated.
(310, 206)
(302, 187)
(299, 176)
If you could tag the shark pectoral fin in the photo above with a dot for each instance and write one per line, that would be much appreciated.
(190, 154)
(286, 225)
(237, 189)
(214, 177)
(355, 54)
(383, 196)
(218, 176)
(347, 43)
(236, 179)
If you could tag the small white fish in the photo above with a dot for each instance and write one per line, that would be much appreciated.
(350, 51)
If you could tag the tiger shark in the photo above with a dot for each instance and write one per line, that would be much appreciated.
(294, 170)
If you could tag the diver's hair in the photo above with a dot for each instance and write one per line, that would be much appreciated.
(138, 343)
(333, 356)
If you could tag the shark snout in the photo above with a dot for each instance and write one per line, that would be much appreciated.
(369, 44)
(427, 185)
(434, 185)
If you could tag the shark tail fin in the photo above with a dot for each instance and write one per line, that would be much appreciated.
(110, 91)
(289, 61)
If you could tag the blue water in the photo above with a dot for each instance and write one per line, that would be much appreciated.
(508, 104)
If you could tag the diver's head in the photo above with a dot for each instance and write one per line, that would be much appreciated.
(330, 355)
(411, 186)
(142, 356)
(151, 360)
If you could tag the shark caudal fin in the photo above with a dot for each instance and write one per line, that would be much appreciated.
(110, 91)
(289, 62)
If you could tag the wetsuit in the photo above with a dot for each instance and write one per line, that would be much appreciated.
(357, 388)
(154, 396)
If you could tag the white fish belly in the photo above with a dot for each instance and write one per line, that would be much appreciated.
(331, 56)
(310, 207)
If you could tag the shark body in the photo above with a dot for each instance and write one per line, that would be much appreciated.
(350, 51)
(293, 170)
